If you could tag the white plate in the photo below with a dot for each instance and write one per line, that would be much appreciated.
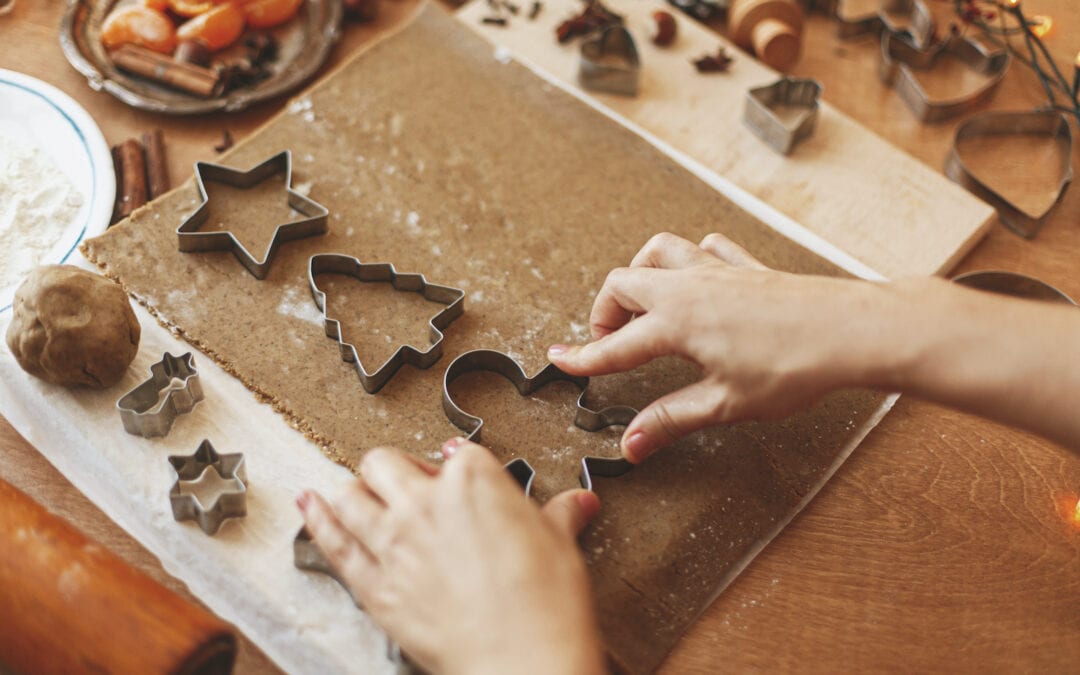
(41, 115)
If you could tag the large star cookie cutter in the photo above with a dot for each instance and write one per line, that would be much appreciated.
(486, 360)
(783, 134)
(610, 62)
(918, 28)
(453, 298)
(900, 60)
(173, 389)
(193, 469)
(987, 125)
(313, 223)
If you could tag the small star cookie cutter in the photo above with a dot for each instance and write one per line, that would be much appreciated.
(610, 62)
(760, 114)
(919, 28)
(1046, 123)
(453, 298)
(486, 360)
(313, 223)
(146, 412)
(900, 59)
(191, 470)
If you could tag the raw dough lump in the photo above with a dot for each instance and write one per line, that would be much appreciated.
(73, 327)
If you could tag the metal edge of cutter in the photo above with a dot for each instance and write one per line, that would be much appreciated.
(227, 504)
(140, 410)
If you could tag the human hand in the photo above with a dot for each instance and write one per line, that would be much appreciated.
(461, 570)
(768, 343)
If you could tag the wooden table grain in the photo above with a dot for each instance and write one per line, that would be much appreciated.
(945, 543)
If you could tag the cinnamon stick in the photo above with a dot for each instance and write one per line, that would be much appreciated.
(160, 68)
(133, 177)
(157, 171)
(115, 150)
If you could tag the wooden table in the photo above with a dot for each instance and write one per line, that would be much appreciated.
(942, 544)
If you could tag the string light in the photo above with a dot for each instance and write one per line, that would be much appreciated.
(1041, 26)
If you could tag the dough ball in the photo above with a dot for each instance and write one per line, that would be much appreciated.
(73, 327)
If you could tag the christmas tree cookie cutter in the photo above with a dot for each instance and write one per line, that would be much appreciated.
(900, 60)
(486, 360)
(191, 240)
(610, 62)
(195, 468)
(145, 412)
(918, 29)
(1050, 124)
(453, 298)
(761, 116)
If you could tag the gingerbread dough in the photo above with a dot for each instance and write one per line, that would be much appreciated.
(72, 327)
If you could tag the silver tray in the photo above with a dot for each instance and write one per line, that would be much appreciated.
(303, 45)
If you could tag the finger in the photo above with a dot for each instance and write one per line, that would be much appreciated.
(671, 417)
(393, 477)
(626, 292)
(730, 252)
(638, 342)
(360, 512)
(427, 467)
(572, 510)
(666, 250)
(344, 552)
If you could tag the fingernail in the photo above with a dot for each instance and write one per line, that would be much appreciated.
(561, 350)
(636, 447)
(589, 503)
(302, 501)
(451, 446)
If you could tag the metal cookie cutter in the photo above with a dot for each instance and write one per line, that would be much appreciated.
(140, 410)
(1011, 283)
(313, 223)
(919, 28)
(899, 60)
(1050, 124)
(453, 298)
(610, 62)
(761, 115)
(586, 418)
(193, 469)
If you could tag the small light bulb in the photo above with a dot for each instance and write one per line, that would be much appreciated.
(1041, 25)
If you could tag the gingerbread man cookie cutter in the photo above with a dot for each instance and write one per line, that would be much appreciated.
(453, 298)
(191, 240)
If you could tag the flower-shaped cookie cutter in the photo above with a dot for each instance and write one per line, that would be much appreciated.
(191, 240)
(193, 469)
(610, 62)
(146, 412)
(453, 298)
(782, 134)
(486, 360)
(919, 27)
(900, 60)
(1046, 123)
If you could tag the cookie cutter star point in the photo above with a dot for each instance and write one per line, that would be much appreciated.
(314, 221)
(191, 469)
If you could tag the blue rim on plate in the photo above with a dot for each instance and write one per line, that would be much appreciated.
(102, 188)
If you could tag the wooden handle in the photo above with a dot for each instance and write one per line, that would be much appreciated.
(68, 605)
(772, 29)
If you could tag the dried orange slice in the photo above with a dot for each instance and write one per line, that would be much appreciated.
(141, 26)
(217, 29)
(190, 7)
(267, 13)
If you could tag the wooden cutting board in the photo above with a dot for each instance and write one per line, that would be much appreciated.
(872, 200)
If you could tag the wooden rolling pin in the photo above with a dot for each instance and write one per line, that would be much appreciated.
(68, 605)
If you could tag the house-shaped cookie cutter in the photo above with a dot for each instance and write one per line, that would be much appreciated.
(313, 223)
(610, 62)
(145, 412)
(191, 469)
(760, 114)
(453, 298)
(900, 60)
(919, 28)
(486, 360)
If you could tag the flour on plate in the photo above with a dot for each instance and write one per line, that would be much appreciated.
(37, 203)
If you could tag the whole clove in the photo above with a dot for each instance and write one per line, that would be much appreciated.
(534, 11)
(593, 18)
(494, 20)
(261, 48)
(226, 142)
(511, 7)
(718, 63)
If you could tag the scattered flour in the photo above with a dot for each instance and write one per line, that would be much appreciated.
(37, 203)
(299, 305)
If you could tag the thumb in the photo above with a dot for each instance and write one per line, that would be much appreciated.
(572, 510)
(671, 417)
